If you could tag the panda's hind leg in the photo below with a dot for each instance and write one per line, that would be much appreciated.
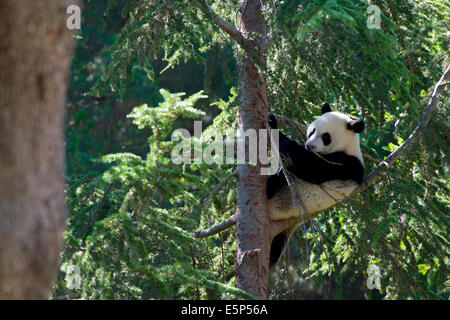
(277, 247)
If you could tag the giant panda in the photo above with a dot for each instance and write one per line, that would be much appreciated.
(327, 168)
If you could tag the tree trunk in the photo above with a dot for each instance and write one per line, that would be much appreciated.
(252, 220)
(35, 50)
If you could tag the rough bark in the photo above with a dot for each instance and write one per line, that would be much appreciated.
(252, 220)
(35, 50)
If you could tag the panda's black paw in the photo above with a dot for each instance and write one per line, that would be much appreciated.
(273, 123)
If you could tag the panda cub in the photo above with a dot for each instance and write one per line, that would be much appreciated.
(326, 169)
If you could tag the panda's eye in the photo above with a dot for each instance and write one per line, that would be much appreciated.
(312, 132)
(326, 138)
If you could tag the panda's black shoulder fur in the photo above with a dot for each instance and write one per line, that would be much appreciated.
(308, 166)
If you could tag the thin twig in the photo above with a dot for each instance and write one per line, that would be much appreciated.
(224, 210)
(216, 188)
(194, 265)
(288, 276)
(283, 119)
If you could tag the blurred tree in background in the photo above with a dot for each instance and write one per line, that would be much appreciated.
(132, 211)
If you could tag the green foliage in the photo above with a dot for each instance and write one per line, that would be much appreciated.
(167, 111)
(130, 230)
(173, 30)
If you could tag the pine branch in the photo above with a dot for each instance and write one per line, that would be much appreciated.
(225, 26)
(283, 119)
(224, 225)
(227, 209)
(216, 188)
(99, 206)
(411, 139)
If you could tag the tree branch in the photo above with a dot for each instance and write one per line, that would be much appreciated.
(411, 139)
(227, 209)
(225, 26)
(226, 224)
(216, 188)
(283, 119)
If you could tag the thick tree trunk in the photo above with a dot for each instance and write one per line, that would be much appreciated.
(35, 50)
(252, 220)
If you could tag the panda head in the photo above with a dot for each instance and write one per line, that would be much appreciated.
(334, 132)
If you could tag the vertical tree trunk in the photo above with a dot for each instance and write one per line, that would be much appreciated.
(252, 221)
(35, 50)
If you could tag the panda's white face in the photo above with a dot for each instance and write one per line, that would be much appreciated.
(333, 132)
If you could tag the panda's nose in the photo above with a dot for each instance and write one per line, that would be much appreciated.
(310, 147)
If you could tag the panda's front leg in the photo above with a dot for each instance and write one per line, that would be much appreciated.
(275, 183)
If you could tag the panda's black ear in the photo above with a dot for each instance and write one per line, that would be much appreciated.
(356, 125)
(326, 108)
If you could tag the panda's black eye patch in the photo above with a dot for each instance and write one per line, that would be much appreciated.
(312, 132)
(326, 138)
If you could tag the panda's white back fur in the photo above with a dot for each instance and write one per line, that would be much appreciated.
(314, 197)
